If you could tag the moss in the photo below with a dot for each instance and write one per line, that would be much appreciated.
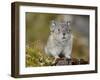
(35, 55)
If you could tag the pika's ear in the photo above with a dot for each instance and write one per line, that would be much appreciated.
(53, 25)
(68, 23)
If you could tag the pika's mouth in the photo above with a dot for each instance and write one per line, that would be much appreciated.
(63, 37)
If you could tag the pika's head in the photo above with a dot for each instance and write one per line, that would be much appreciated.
(61, 31)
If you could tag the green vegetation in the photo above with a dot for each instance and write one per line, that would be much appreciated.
(35, 56)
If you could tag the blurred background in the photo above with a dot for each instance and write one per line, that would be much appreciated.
(37, 33)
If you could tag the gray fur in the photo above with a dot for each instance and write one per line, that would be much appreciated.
(60, 39)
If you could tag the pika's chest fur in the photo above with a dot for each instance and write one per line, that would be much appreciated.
(56, 47)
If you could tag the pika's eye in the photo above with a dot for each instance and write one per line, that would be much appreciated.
(58, 29)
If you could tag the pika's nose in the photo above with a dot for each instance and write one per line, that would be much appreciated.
(63, 33)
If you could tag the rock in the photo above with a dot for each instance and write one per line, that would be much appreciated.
(73, 61)
(61, 62)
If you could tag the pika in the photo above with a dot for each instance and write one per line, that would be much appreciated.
(60, 40)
